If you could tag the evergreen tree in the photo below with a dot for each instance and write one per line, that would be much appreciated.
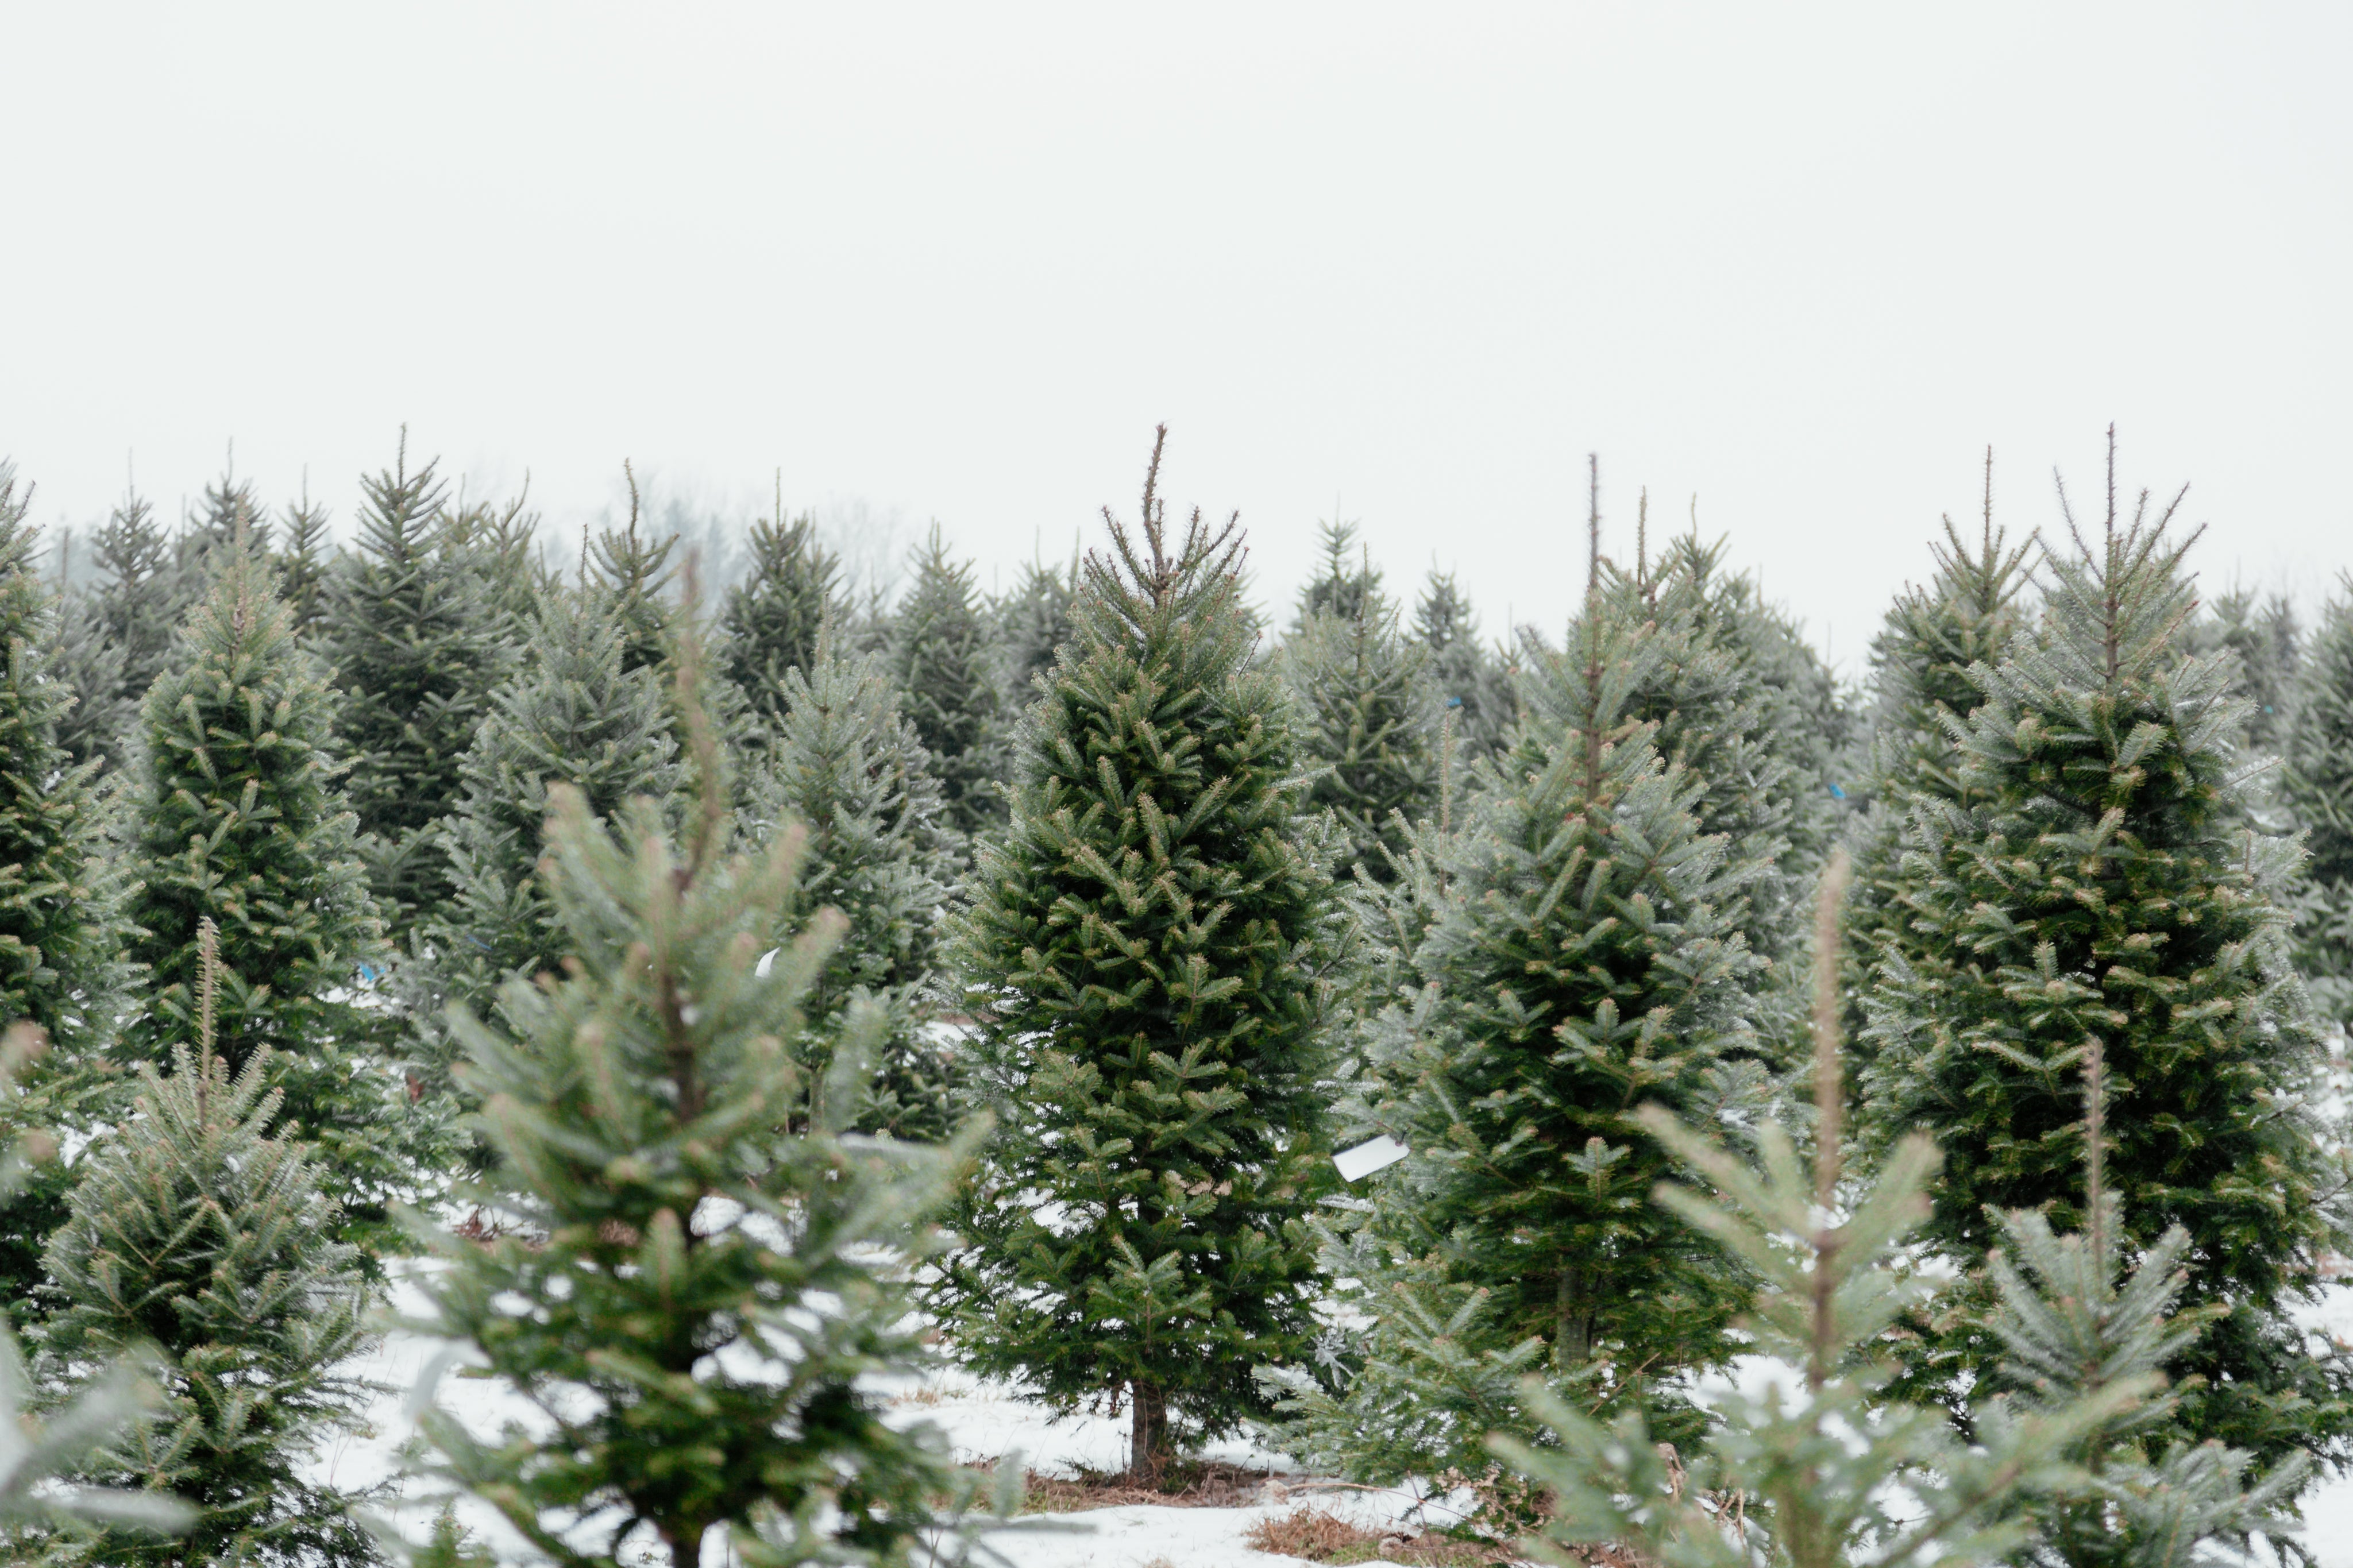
(847, 768)
(571, 714)
(2262, 631)
(59, 904)
(1345, 582)
(1471, 682)
(195, 1232)
(1813, 1468)
(773, 615)
(708, 1295)
(99, 723)
(237, 818)
(941, 655)
(635, 573)
(1033, 622)
(2316, 786)
(36, 1457)
(416, 647)
(502, 540)
(141, 597)
(230, 510)
(1146, 958)
(1369, 719)
(303, 565)
(1579, 964)
(2100, 883)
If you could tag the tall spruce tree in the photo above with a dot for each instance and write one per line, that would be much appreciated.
(1147, 956)
(941, 656)
(140, 598)
(1344, 579)
(2261, 629)
(416, 646)
(1033, 622)
(2316, 785)
(303, 564)
(773, 615)
(2099, 882)
(1577, 962)
(1470, 680)
(1369, 721)
(633, 570)
(847, 768)
(195, 1232)
(573, 714)
(708, 1295)
(235, 818)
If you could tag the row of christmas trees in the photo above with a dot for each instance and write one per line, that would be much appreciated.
(1505, 908)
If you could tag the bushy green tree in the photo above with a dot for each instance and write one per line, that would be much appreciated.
(1033, 622)
(941, 656)
(416, 646)
(773, 615)
(573, 713)
(2316, 786)
(2262, 631)
(99, 723)
(2099, 882)
(1147, 956)
(1810, 1466)
(195, 1232)
(1471, 680)
(235, 818)
(632, 569)
(303, 564)
(1345, 580)
(1369, 722)
(1579, 962)
(707, 1295)
(140, 596)
(845, 767)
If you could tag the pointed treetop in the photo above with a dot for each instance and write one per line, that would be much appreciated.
(2116, 606)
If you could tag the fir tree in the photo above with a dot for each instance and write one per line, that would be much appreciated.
(1369, 722)
(303, 564)
(38, 1457)
(1813, 1468)
(230, 510)
(941, 655)
(1033, 622)
(197, 1233)
(571, 714)
(2316, 786)
(1471, 682)
(1579, 964)
(237, 818)
(708, 1295)
(142, 597)
(1146, 958)
(1346, 580)
(636, 577)
(98, 725)
(2261, 632)
(848, 769)
(2100, 883)
(416, 647)
(773, 615)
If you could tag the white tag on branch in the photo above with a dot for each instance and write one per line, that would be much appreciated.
(767, 961)
(1362, 1161)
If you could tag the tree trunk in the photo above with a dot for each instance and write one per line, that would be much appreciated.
(1147, 1451)
(1572, 1343)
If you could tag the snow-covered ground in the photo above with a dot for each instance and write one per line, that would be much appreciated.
(988, 1422)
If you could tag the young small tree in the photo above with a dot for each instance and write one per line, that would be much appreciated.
(1470, 680)
(416, 647)
(304, 562)
(572, 714)
(1345, 581)
(1369, 718)
(1579, 963)
(195, 1232)
(773, 615)
(235, 818)
(1033, 622)
(1812, 1468)
(1146, 958)
(2316, 786)
(707, 1294)
(96, 727)
(2261, 631)
(633, 571)
(847, 769)
(141, 597)
(2100, 883)
(941, 655)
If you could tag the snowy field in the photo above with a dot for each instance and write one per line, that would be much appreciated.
(988, 1422)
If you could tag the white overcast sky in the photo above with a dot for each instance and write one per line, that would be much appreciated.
(955, 262)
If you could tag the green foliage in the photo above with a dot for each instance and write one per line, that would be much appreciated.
(303, 565)
(235, 818)
(942, 655)
(636, 575)
(2317, 787)
(38, 1456)
(2097, 881)
(97, 725)
(1146, 958)
(1369, 722)
(196, 1233)
(1470, 677)
(416, 644)
(1574, 960)
(1346, 581)
(1033, 622)
(706, 1293)
(848, 770)
(141, 597)
(574, 714)
(773, 615)
(2260, 632)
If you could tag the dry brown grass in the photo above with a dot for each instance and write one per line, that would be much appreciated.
(1322, 1537)
(1187, 1484)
